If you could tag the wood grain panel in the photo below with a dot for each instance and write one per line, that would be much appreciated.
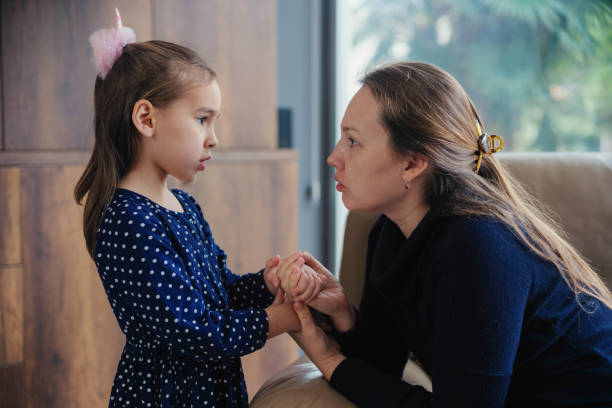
(1, 110)
(72, 340)
(11, 315)
(252, 210)
(12, 391)
(48, 84)
(40, 158)
(238, 39)
(10, 235)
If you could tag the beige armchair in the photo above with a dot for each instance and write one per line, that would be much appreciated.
(577, 187)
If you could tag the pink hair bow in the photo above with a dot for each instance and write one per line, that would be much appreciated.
(108, 44)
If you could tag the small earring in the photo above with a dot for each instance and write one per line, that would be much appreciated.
(407, 186)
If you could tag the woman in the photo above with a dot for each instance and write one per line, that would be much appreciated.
(463, 270)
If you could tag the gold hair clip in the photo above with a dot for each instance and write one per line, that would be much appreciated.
(487, 144)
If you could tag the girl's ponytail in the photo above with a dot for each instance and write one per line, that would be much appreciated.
(102, 173)
(98, 182)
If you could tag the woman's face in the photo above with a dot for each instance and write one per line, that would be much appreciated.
(368, 173)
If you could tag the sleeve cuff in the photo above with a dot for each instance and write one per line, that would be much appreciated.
(266, 296)
(367, 387)
(348, 340)
(250, 290)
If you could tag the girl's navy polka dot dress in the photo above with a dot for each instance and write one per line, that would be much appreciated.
(187, 319)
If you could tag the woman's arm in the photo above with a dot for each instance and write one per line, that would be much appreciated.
(322, 350)
(481, 290)
(360, 333)
(363, 384)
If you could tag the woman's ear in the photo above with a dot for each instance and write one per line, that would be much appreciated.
(414, 165)
(143, 117)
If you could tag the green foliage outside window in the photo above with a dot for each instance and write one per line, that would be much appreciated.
(539, 71)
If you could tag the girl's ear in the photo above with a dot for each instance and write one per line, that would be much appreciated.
(143, 117)
(414, 165)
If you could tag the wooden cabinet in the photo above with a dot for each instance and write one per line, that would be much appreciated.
(59, 341)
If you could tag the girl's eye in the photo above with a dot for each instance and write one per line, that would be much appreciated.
(202, 120)
(351, 141)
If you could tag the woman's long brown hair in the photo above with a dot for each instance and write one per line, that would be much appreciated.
(157, 71)
(425, 110)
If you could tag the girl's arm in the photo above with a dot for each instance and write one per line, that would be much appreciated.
(244, 291)
(281, 317)
(149, 289)
(248, 290)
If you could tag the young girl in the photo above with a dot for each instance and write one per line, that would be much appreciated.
(186, 317)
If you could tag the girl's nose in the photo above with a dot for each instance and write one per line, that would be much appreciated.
(211, 142)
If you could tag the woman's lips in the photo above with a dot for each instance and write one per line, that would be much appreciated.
(339, 186)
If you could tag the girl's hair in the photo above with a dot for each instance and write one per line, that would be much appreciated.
(157, 71)
(425, 110)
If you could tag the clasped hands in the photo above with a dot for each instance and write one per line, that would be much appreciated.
(301, 279)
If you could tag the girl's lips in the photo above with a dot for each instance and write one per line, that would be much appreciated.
(202, 165)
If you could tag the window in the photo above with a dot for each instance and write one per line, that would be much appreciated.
(539, 72)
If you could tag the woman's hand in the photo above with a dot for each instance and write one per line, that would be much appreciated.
(331, 300)
(309, 284)
(322, 350)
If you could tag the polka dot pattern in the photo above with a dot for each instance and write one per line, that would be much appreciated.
(186, 317)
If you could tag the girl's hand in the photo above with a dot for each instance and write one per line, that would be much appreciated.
(279, 298)
(288, 272)
(322, 350)
(270, 276)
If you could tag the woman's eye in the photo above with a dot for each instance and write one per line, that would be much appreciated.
(202, 119)
(351, 141)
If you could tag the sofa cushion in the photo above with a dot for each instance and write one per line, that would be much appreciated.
(300, 385)
(577, 188)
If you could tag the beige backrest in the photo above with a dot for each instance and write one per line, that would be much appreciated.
(575, 186)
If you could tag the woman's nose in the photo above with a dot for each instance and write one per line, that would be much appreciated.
(334, 158)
